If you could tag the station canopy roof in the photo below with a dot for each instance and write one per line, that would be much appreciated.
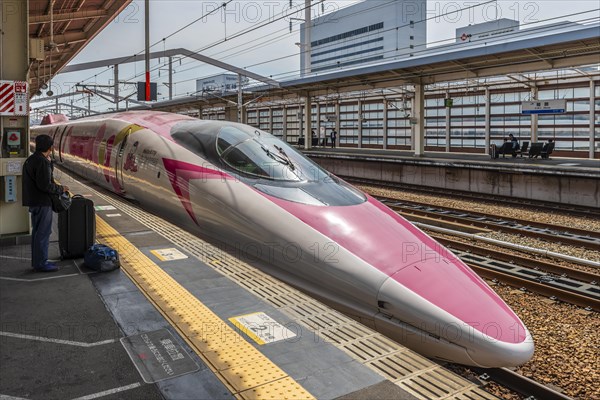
(561, 48)
(66, 27)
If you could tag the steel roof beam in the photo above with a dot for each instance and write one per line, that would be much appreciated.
(170, 53)
(540, 56)
(111, 98)
(68, 16)
(53, 105)
(524, 83)
(58, 96)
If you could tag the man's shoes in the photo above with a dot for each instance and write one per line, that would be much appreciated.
(48, 267)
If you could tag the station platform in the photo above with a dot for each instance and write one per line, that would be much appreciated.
(573, 181)
(185, 319)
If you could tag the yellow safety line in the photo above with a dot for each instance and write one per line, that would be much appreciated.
(246, 372)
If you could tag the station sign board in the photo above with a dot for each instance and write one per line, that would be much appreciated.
(544, 107)
(14, 98)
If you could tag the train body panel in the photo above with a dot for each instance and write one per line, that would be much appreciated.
(268, 202)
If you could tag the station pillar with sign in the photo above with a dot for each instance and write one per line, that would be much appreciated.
(14, 119)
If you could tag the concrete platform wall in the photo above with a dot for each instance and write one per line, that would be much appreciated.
(525, 183)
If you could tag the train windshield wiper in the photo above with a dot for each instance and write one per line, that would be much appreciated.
(284, 155)
(276, 157)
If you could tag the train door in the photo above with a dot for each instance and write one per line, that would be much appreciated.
(54, 135)
(120, 160)
(61, 139)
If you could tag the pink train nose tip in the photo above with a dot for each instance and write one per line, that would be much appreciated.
(494, 353)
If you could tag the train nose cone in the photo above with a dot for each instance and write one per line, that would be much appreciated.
(428, 292)
(466, 310)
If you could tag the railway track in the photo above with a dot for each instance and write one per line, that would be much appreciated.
(552, 233)
(527, 266)
(550, 269)
(480, 197)
(530, 274)
(528, 388)
(554, 281)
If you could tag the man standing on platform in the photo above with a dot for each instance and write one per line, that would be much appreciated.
(333, 137)
(38, 185)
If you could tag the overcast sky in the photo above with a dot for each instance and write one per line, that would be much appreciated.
(125, 35)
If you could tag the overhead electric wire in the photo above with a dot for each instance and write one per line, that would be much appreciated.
(454, 37)
(160, 41)
(415, 49)
(260, 25)
(288, 73)
(256, 27)
(450, 45)
(245, 31)
(251, 29)
(526, 32)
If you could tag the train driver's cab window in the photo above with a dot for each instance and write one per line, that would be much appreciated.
(248, 152)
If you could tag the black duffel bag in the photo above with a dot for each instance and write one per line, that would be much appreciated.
(60, 202)
(101, 258)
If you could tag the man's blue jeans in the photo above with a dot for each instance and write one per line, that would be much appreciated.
(41, 221)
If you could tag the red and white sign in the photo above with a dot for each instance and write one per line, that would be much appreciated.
(14, 138)
(14, 98)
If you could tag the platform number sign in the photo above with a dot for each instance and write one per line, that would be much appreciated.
(14, 98)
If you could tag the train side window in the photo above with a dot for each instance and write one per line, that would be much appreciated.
(190, 142)
(123, 144)
(230, 136)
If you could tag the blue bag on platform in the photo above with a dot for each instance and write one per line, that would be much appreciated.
(101, 258)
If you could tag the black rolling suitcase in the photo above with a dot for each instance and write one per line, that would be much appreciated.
(77, 228)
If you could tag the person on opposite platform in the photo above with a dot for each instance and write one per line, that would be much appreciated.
(38, 185)
(514, 142)
(333, 138)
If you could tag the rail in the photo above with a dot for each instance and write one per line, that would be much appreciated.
(586, 295)
(516, 202)
(554, 233)
(519, 383)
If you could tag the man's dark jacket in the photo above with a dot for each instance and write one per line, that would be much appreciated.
(38, 182)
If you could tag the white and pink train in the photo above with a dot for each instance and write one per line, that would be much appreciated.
(249, 189)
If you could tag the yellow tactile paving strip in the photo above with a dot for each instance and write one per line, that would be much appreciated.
(246, 372)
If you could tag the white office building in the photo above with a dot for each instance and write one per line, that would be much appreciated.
(365, 33)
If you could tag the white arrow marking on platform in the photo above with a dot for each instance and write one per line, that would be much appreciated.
(58, 341)
(108, 392)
